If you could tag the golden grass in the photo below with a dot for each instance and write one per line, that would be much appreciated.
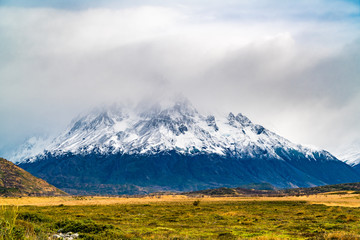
(341, 236)
(345, 200)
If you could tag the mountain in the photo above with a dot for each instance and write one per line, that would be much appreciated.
(351, 156)
(15, 182)
(121, 150)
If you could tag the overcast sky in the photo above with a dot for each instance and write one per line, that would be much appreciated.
(292, 66)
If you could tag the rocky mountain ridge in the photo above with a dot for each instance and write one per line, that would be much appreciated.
(174, 147)
(180, 128)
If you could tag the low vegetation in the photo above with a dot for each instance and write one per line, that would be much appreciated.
(265, 189)
(193, 219)
(8, 228)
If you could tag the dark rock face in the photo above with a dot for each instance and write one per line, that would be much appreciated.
(210, 120)
(171, 171)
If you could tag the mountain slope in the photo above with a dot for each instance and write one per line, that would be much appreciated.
(351, 156)
(354, 161)
(174, 147)
(14, 181)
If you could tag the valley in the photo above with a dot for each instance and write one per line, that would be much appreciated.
(322, 216)
(179, 120)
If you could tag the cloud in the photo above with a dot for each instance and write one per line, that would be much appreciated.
(294, 73)
(305, 97)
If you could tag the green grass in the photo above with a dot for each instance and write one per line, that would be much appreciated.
(8, 228)
(205, 220)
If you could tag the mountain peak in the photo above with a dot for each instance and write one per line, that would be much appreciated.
(176, 106)
(173, 146)
(245, 121)
(175, 126)
(231, 118)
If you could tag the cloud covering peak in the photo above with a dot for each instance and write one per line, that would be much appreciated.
(291, 66)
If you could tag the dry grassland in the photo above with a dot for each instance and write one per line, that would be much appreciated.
(345, 200)
(184, 217)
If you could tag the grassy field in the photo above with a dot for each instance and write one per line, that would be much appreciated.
(181, 217)
(345, 199)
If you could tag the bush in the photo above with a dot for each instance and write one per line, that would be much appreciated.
(196, 203)
(226, 235)
(86, 226)
(32, 217)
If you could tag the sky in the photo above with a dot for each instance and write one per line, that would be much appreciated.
(292, 66)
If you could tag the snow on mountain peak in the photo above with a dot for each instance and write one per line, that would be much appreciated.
(175, 126)
(350, 154)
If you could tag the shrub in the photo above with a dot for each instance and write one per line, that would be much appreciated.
(196, 203)
(86, 226)
(32, 217)
(226, 235)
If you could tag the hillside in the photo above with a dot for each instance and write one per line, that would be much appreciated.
(15, 182)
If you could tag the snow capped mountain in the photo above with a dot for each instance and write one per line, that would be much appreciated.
(351, 157)
(119, 150)
(351, 154)
(31, 147)
(179, 127)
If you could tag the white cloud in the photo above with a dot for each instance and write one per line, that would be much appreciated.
(282, 72)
